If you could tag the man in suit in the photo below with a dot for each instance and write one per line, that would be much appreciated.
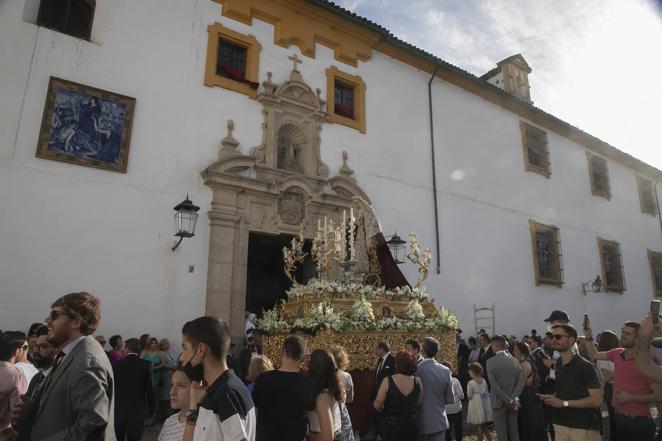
(43, 358)
(133, 383)
(437, 393)
(385, 366)
(76, 401)
(507, 383)
(485, 352)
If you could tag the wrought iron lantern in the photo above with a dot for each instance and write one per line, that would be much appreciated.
(594, 286)
(397, 246)
(186, 217)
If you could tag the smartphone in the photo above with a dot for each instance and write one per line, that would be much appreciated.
(655, 310)
(585, 320)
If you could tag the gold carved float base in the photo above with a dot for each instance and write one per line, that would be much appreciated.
(360, 346)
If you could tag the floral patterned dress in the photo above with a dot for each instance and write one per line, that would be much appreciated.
(345, 421)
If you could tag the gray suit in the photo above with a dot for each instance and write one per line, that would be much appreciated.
(77, 403)
(437, 393)
(506, 383)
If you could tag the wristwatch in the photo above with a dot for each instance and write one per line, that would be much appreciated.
(566, 404)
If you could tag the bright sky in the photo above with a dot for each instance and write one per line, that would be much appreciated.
(597, 64)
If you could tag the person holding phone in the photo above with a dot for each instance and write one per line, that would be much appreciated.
(644, 361)
(578, 393)
(633, 393)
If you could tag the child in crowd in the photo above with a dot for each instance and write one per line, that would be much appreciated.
(479, 411)
(454, 411)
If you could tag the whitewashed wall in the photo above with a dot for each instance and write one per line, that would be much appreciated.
(65, 228)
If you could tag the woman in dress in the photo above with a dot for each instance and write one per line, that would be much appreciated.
(479, 411)
(342, 361)
(530, 421)
(398, 398)
(153, 356)
(180, 394)
(258, 365)
(325, 420)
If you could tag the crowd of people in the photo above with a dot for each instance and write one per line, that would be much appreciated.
(59, 382)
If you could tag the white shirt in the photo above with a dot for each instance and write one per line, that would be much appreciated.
(70, 347)
(172, 429)
(458, 393)
(381, 365)
(28, 370)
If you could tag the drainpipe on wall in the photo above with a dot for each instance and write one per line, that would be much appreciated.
(657, 201)
(434, 171)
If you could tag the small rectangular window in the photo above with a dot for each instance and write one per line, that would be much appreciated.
(536, 151)
(343, 97)
(647, 197)
(547, 259)
(599, 175)
(231, 60)
(71, 17)
(612, 267)
(655, 262)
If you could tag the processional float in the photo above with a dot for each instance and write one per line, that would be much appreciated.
(359, 296)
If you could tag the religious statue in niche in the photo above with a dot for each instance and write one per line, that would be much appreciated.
(288, 157)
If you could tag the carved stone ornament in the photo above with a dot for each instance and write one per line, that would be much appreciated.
(291, 207)
(292, 117)
(281, 187)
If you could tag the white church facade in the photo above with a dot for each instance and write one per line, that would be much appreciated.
(271, 115)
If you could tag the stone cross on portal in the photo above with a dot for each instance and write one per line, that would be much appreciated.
(295, 61)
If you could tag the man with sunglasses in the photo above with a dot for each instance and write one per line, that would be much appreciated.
(12, 380)
(76, 400)
(23, 363)
(578, 394)
(633, 393)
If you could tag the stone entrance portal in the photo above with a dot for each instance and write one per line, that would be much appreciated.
(281, 187)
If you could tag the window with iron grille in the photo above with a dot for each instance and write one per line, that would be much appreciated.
(231, 60)
(612, 266)
(655, 262)
(647, 197)
(71, 17)
(599, 174)
(536, 151)
(343, 99)
(547, 258)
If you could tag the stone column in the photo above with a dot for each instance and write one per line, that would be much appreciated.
(226, 277)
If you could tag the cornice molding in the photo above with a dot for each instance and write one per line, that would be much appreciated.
(304, 25)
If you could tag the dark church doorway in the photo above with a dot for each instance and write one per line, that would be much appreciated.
(266, 283)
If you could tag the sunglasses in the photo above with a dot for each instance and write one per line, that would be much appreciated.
(54, 315)
(25, 347)
(558, 336)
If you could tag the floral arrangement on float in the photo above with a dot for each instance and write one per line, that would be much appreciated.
(347, 305)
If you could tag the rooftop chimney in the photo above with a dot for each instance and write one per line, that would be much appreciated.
(511, 75)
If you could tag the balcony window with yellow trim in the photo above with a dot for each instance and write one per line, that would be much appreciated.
(346, 99)
(232, 60)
